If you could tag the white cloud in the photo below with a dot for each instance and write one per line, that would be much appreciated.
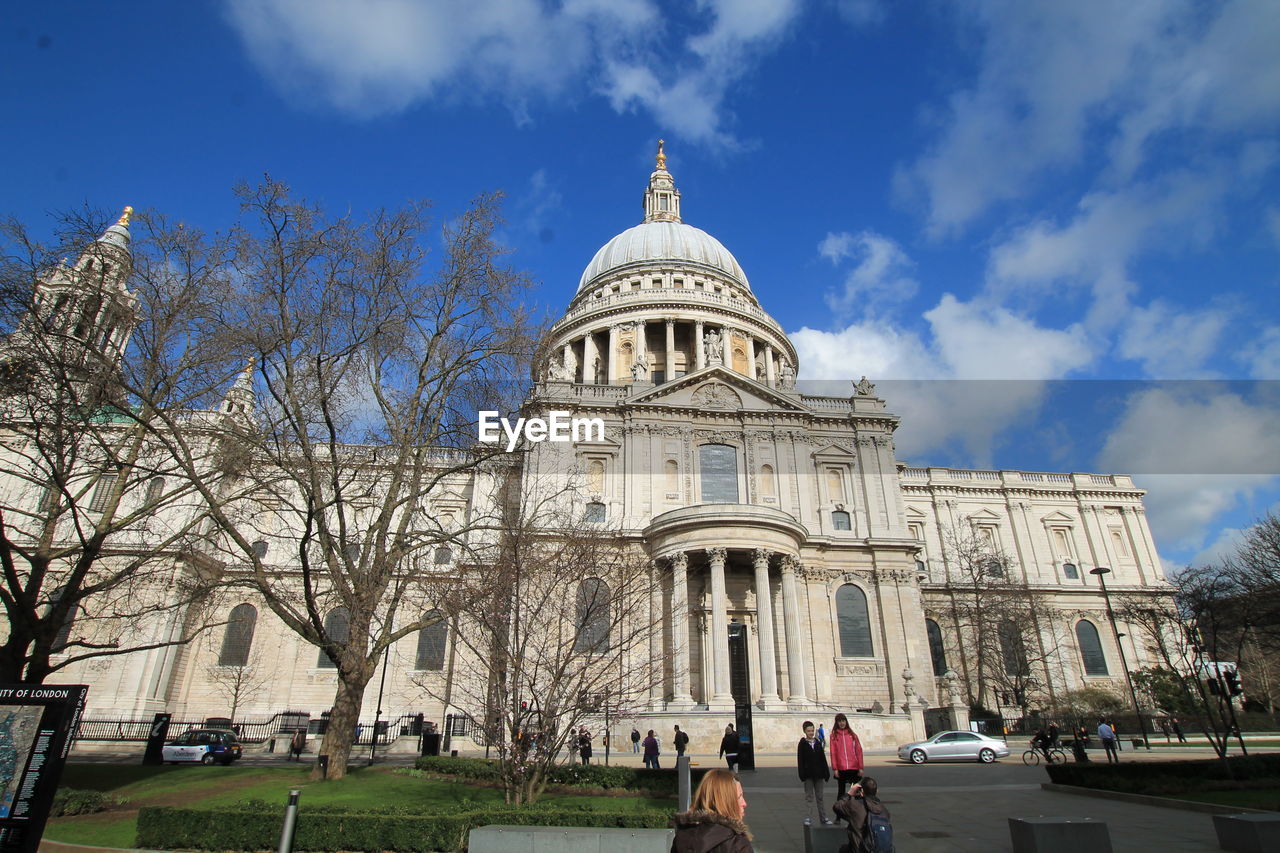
(1200, 449)
(881, 273)
(1263, 355)
(1171, 343)
(383, 56)
(1055, 78)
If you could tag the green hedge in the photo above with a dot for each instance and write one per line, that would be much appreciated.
(1165, 776)
(69, 801)
(161, 827)
(658, 782)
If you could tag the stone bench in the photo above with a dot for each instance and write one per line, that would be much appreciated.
(825, 839)
(1059, 835)
(568, 839)
(1248, 833)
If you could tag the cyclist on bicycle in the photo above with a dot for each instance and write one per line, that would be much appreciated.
(1042, 742)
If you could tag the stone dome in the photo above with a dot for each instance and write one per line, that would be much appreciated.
(665, 242)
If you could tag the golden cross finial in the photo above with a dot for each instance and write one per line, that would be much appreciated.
(124, 216)
(662, 157)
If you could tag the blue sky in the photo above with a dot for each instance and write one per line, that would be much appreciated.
(918, 190)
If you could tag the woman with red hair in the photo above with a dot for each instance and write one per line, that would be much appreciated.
(713, 823)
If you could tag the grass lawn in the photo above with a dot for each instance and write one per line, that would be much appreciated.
(1263, 798)
(200, 787)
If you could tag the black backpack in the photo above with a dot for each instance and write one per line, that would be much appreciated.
(877, 835)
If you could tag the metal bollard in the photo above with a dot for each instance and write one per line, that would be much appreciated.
(323, 761)
(684, 777)
(290, 822)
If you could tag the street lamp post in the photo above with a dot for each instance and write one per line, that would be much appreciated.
(1101, 571)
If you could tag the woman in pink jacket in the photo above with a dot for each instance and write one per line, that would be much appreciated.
(846, 753)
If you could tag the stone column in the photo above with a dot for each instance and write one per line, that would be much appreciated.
(671, 349)
(642, 343)
(701, 356)
(589, 356)
(680, 630)
(764, 625)
(751, 357)
(770, 371)
(727, 347)
(655, 638)
(721, 699)
(611, 363)
(791, 624)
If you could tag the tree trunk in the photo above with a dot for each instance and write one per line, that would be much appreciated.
(342, 724)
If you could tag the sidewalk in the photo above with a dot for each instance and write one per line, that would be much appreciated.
(951, 819)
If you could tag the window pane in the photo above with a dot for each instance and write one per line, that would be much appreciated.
(936, 650)
(840, 520)
(1070, 571)
(1013, 651)
(239, 636)
(102, 492)
(443, 556)
(593, 616)
(337, 625)
(595, 511)
(1095, 663)
(431, 643)
(853, 622)
(719, 469)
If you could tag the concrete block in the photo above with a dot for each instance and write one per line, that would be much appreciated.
(568, 839)
(1059, 835)
(825, 839)
(1248, 833)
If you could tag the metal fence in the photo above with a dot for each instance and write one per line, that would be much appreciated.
(252, 730)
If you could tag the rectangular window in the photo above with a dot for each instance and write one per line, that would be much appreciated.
(719, 473)
(102, 492)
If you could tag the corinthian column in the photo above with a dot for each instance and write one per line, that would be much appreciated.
(671, 349)
(680, 630)
(721, 699)
(764, 624)
(791, 623)
(700, 355)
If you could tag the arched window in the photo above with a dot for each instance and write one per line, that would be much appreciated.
(835, 485)
(238, 638)
(592, 616)
(853, 621)
(718, 464)
(431, 643)
(1013, 651)
(768, 483)
(595, 477)
(672, 468)
(840, 520)
(102, 491)
(936, 651)
(337, 626)
(63, 636)
(155, 489)
(1095, 662)
(1070, 572)
(595, 512)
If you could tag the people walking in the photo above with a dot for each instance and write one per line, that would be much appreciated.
(866, 816)
(635, 740)
(822, 734)
(681, 741)
(1107, 735)
(846, 754)
(714, 820)
(1177, 730)
(584, 745)
(651, 752)
(811, 765)
(297, 744)
(730, 746)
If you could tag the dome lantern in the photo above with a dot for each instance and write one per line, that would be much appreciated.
(661, 198)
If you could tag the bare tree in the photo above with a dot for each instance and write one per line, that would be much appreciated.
(239, 681)
(351, 459)
(553, 621)
(96, 533)
(997, 617)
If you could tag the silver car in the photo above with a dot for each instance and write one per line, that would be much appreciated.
(954, 746)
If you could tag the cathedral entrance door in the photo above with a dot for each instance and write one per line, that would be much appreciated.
(739, 664)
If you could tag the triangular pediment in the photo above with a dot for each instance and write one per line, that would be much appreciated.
(914, 513)
(835, 453)
(1058, 517)
(984, 515)
(717, 389)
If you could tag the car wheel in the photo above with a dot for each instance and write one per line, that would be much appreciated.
(987, 756)
(207, 758)
(918, 756)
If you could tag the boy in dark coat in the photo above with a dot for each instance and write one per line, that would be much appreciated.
(811, 764)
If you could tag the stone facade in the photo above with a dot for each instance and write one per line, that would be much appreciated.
(779, 522)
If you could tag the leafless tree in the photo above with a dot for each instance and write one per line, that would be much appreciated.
(96, 532)
(350, 470)
(239, 681)
(554, 625)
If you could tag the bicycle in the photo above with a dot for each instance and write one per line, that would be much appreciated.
(1033, 756)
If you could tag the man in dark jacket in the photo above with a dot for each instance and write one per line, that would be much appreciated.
(681, 742)
(855, 807)
(811, 764)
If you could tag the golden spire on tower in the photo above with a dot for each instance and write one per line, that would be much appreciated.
(662, 157)
(124, 215)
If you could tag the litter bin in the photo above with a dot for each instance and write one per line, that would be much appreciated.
(431, 743)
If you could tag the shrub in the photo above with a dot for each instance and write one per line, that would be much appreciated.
(657, 782)
(1164, 776)
(463, 768)
(328, 829)
(69, 801)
